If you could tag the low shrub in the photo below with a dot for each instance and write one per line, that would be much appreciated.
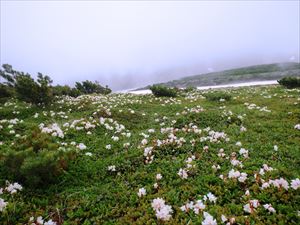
(189, 89)
(290, 82)
(218, 96)
(6, 93)
(60, 90)
(26, 88)
(35, 161)
(89, 87)
(162, 91)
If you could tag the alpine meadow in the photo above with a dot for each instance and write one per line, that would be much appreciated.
(226, 156)
(157, 112)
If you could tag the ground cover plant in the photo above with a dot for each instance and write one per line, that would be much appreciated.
(206, 157)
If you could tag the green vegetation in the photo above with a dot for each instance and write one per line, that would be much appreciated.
(25, 87)
(218, 96)
(96, 159)
(40, 92)
(35, 160)
(290, 82)
(162, 91)
(88, 87)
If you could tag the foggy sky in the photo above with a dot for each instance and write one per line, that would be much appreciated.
(132, 44)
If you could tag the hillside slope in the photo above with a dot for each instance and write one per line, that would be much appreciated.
(244, 74)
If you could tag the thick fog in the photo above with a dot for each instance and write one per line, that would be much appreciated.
(132, 44)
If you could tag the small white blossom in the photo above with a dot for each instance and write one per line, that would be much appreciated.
(183, 173)
(141, 192)
(158, 176)
(295, 184)
(3, 204)
(269, 208)
(208, 219)
(112, 168)
(81, 146)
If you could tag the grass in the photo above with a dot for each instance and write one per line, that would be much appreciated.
(87, 193)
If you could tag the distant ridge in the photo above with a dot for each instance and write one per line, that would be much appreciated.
(244, 74)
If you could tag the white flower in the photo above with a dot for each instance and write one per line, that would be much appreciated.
(198, 206)
(81, 146)
(164, 213)
(50, 222)
(157, 203)
(187, 206)
(233, 174)
(295, 184)
(2, 204)
(40, 220)
(223, 218)
(155, 185)
(13, 188)
(141, 192)
(247, 208)
(238, 143)
(269, 208)
(208, 219)
(297, 126)
(244, 152)
(243, 129)
(235, 162)
(265, 185)
(144, 141)
(216, 167)
(247, 192)
(88, 154)
(148, 151)
(115, 138)
(211, 197)
(254, 203)
(183, 173)
(158, 176)
(242, 177)
(282, 183)
(275, 148)
(112, 168)
(126, 145)
(108, 147)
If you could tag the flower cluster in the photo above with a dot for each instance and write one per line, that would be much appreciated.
(162, 211)
(190, 165)
(40, 221)
(251, 206)
(53, 129)
(10, 189)
(242, 177)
